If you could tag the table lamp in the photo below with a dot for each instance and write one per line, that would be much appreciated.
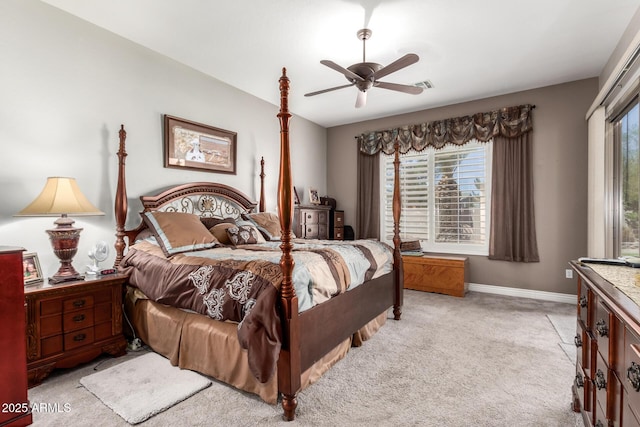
(62, 196)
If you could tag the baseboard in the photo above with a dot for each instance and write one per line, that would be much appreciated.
(523, 293)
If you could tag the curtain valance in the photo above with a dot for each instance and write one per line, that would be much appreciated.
(509, 122)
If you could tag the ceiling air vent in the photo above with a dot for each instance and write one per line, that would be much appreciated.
(424, 84)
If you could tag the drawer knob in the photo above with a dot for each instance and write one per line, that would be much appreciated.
(633, 375)
(80, 337)
(583, 301)
(79, 303)
(577, 341)
(601, 327)
(600, 381)
(579, 381)
(78, 318)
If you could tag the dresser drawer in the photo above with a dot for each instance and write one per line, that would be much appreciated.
(631, 382)
(602, 328)
(77, 303)
(78, 338)
(582, 384)
(50, 325)
(600, 382)
(78, 319)
(581, 342)
(51, 345)
(338, 219)
(338, 233)
(583, 303)
(629, 416)
(310, 217)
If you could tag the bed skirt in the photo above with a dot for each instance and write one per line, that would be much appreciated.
(195, 342)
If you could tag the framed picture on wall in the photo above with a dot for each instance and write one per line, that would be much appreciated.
(314, 198)
(191, 145)
(296, 199)
(31, 270)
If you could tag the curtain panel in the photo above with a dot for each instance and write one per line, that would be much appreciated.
(513, 233)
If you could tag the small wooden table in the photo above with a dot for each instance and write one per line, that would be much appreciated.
(441, 274)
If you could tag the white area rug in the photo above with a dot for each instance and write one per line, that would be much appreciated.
(565, 326)
(142, 387)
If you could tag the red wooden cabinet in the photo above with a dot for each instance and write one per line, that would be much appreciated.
(14, 405)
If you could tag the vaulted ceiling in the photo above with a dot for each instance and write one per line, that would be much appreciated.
(468, 49)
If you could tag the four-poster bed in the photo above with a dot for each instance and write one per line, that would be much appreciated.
(275, 324)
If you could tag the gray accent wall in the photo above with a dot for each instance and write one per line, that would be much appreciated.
(560, 190)
(67, 86)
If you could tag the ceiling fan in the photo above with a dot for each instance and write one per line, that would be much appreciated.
(365, 75)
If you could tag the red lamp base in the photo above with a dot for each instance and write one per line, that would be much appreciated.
(64, 239)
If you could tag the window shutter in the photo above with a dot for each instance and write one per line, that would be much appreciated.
(444, 197)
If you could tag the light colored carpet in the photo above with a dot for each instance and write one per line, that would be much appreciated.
(481, 360)
(565, 326)
(143, 387)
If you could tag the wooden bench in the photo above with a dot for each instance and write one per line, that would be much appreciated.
(441, 274)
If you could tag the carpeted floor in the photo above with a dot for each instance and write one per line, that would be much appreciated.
(482, 360)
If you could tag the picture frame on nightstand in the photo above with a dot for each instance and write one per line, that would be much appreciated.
(31, 270)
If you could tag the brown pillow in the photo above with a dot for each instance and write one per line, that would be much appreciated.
(209, 222)
(267, 222)
(178, 232)
(219, 231)
(244, 235)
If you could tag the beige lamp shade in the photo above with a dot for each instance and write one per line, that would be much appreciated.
(60, 196)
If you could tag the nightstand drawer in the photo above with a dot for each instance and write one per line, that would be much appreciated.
(78, 320)
(51, 345)
(78, 338)
(103, 313)
(77, 303)
(49, 307)
(51, 325)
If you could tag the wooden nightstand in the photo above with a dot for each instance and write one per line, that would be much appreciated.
(73, 323)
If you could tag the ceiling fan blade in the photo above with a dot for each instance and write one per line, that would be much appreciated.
(405, 61)
(361, 100)
(349, 74)
(413, 90)
(328, 90)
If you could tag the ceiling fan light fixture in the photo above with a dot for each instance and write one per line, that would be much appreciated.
(365, 75)
(425, 84)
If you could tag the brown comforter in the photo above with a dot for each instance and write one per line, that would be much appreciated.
(240, 291)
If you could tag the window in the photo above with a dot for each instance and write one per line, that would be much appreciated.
(627, 146)
(445, 198)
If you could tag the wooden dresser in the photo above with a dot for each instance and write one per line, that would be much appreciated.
(606, 388)
(336, 225)
(441, 274)
(73, 323)
(311, 222)
(15, 410)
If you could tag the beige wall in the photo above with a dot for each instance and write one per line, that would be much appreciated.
(560, 182)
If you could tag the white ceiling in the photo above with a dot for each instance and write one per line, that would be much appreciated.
(468, 49)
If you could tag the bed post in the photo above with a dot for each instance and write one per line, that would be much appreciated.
(121, 200)
(397, 257)
(261, 207)
(289, 369)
